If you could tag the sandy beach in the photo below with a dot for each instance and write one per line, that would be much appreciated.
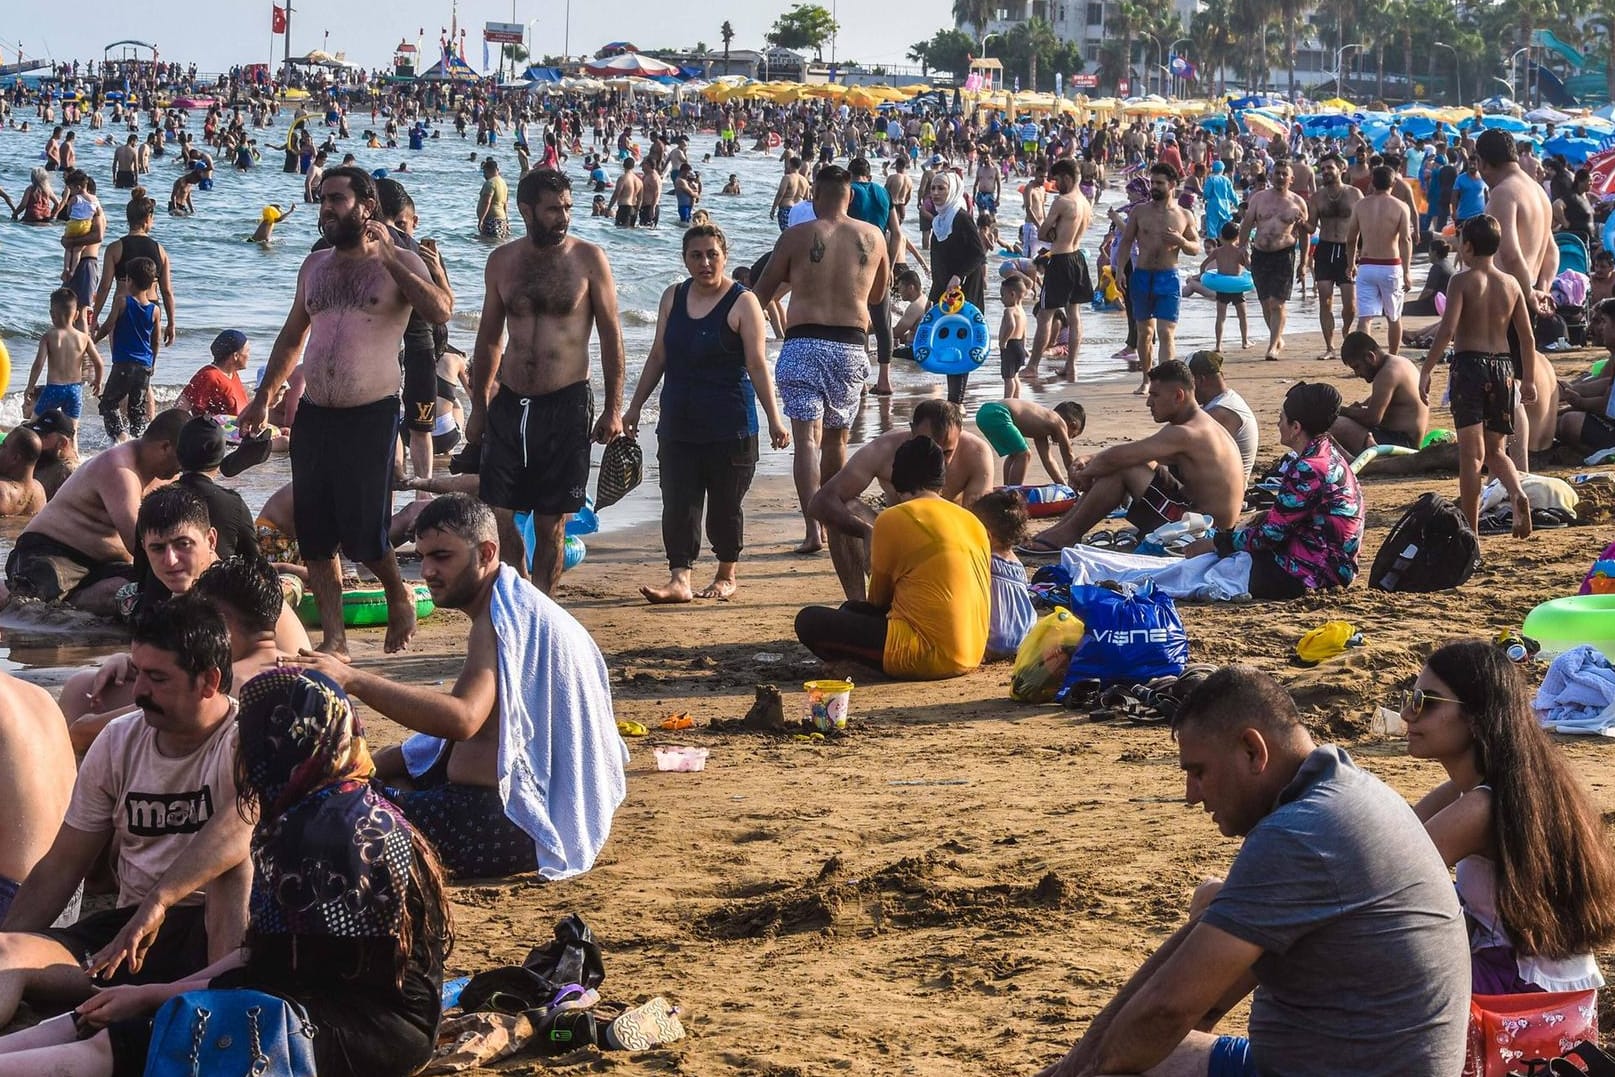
(961, 883)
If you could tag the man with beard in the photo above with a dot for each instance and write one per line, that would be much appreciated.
(352, 305)
(1279, 218)
(1331, 207)
(1063, 227)
(551, 290)
(1162, 230)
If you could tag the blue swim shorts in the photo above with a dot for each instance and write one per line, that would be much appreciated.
(821, 373)
(1156, 294)
(1231, 1057)
(70, 398)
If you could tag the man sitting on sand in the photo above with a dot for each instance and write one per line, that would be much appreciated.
(36, 772)
(1589, 421)
(840, 506)
(1211, 392)
(1394, 413)
(1006, 424)
(1190, 465)
(1337, 910)
(77, 549)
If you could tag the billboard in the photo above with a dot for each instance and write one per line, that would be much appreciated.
(503, 33)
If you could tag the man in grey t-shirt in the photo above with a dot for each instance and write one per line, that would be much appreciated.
(1337, 910)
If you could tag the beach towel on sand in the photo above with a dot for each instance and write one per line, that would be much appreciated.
(1206, 578)
(560, 757)
(1578, 694)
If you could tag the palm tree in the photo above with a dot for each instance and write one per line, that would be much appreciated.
(1211, 34)
(1037, 37)
(1122, 23)
(1289, 12)
(1166, 27)
(727, 34)
(973, 13)
(1603, 21)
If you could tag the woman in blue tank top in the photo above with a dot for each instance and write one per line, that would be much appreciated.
(711, 359)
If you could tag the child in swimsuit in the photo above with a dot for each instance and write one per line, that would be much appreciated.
(81, 209)
(1012, 354)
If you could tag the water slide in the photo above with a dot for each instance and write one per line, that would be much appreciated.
(1551, 41)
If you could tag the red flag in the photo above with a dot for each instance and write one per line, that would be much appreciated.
(277, 20)
(1602, 167)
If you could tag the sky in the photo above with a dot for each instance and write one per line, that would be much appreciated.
(217, 34)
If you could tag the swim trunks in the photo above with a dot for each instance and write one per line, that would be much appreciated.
(1155, 294)
(419, 363)
(997, 425)
(650, 216)
(43, 568)
(1383, 436)
(275, 545)
(686, 211)
(496, 227)
(1162, 503)
(1273, 273)
(178, 951)
(1231, 1057)
(342, 470)
(70, 398)
(1329, 262)
(1060, 281)
(627, 217)
(1483, 391)
(821, 373)
(1379, 291)
(986, 202)
(466, 824)
(1012, 357)
(784, 217)
(535, 454)
(85, 278)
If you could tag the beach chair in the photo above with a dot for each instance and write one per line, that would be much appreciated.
(1572, 252)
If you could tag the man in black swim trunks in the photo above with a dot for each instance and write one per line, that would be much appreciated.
(1331, 207)
(1279, 217)
(1064, 225)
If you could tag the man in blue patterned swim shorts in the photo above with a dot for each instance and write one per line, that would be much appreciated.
(836, 268)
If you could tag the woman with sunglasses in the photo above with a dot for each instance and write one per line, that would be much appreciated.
(1536, 875)
(710, 358)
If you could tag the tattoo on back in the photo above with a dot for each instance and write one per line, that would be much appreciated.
(864, 247)
(817, 251)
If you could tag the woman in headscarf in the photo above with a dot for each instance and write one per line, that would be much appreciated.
(348, 915)
(958, 255)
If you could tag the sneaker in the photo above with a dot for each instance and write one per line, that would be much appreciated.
(1125, 353)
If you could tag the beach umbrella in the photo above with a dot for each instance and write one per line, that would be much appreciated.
(1499, 122)
(1262, 123)
(630, 63)
(1602, 167)
(1575, 151)
(1547, 115)
(1338, 103)
(1499, 103)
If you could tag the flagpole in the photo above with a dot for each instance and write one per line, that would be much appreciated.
(287, 67)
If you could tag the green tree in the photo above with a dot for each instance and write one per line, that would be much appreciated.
(973, 13)
(948, 50)
(805, 26)
(1031, 44)
(1212, 37)
(727, 34)
(1603, 22)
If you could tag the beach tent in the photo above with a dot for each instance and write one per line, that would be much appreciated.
(543, 74)
(629, 64)
(456, 71)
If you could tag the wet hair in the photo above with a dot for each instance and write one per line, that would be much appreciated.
(1003, 514)
(1314, 405)
(140, 209)
(460, 515)
(1163, 168)
(190, 629)
(1555, 867)
(1496, 148)
(1073, 414)
(1483, 234)
(1065, 166)
(538, 181)
(63, 299)
(249, 586)
(918, 465)
(705, 231)
(360, 182)
(938, 415)
(391, 198)
(1205, 363)
(142, 272)
(169, 508)
(1172, 372)
(1380, 177)
(906, 277)
(1357, 346)
(166, 426)
(1230, 232)
(1235, 698)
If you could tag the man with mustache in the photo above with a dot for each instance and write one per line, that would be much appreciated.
(531, 438)
(347, 321)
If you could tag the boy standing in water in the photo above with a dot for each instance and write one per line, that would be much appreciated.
(1484, 375)
(136, 330)
(61, 355)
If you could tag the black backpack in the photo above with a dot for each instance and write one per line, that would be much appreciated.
(1431, 548)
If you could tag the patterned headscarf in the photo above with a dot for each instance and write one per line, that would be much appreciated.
(331, 855)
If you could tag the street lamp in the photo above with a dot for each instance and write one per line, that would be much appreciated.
(1159, 56)
(1339, 55)
(1512, 61)
(1457, 76)
(981, 54)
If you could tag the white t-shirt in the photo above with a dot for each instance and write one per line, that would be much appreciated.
(152, 803)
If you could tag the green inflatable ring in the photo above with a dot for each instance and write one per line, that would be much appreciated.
(364, 607)
(1563, 623)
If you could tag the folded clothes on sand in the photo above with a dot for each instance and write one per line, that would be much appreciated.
(1206, 578)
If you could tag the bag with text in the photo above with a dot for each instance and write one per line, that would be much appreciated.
(1133, 636)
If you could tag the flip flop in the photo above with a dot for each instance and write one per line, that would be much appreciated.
(1551, 519)
(1038, 547)
(1126, 540)
(1101, 540)
(643, 1027)
(1499, 522)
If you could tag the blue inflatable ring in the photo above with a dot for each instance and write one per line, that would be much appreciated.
(1228, 284)
(951, 343)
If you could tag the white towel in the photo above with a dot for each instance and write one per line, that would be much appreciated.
(1206, 578)
(1578, 694)
(561, 759)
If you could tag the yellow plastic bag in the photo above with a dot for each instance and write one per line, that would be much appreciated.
(1326, 641)
(1042, 658)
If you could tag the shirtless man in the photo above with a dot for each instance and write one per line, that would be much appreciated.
(1063, 227)
(20, 493)
(900, 187)
(58, 448)
(87, 275)
(126, 163)
(77, 548)
(624, 201)
(552, 290)
(839, 503)
(36, 771)
(988, 185)
(1032, 206)
(1163, 230)
(837, 269)
(346, 324)
(1394, 413)
(1331, 207)
(1384, 227)
(1529, 255)
(793, 188)
(1008, 424)
(1190, 464)
(1279, 218)
(650, 195)
(1484, 303)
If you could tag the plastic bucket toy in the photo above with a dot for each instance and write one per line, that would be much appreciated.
(827, 704)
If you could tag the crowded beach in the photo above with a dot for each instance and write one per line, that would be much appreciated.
(831, 666)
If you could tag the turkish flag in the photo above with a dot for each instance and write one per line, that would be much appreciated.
(277, 20)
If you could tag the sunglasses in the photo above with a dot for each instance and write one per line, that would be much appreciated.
(1414, 699)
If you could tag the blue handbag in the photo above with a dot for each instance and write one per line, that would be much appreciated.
(1133, 636)
(231, 1033)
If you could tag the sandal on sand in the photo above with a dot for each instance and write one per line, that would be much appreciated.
(1037, 546)
(1500, 522)
(1101, 540)
(1126, 540)
(1551, 519)
(643, 1027)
